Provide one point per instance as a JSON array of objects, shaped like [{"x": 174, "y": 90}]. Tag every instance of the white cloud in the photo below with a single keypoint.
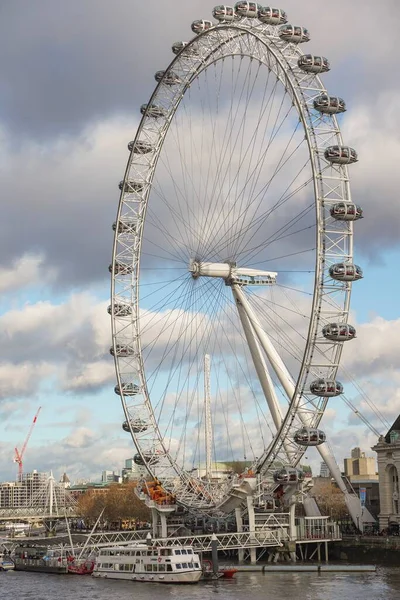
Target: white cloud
[
  {"x": 78, "y": 327},
  {"x": 68, "y": 341},
  {"x": 21, "y": 379},
  {"x": 90, "y": 376},
  {"x": 377, "y": 348},
  {"x": 80, "y": 438},
  {"x": 26, "y": 271}
]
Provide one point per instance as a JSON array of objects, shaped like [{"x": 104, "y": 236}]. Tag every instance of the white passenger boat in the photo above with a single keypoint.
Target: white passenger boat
[
  {"x": 6, "y": 564},
  {"x": 141, "y": 562}
]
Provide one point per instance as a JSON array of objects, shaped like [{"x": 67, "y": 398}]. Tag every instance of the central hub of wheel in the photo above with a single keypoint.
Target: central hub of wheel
[
  {"x": 231, "y": 273},
  {"x": 208, "y": 269}
]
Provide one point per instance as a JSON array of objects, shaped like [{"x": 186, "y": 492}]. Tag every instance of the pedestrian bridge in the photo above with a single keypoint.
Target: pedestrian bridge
[{"x": 35, "y": 513}]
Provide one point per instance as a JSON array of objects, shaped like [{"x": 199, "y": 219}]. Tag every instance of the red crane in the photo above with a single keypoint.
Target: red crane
[{"x": 20, "y": 454}]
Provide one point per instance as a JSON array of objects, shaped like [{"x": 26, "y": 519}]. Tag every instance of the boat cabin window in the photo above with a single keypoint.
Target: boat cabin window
[
  {"x": 178, "y": 566},
  {"x": 177, "y": 551},
  {"x": 161, "y": 567},
  {"x": 169, "y": 567},
  {"x": 184, "y": 565},
  {"x": 183, "y": 551},
  {"x": 189, "y": 551},
  {"x": 148, "y": 567}
]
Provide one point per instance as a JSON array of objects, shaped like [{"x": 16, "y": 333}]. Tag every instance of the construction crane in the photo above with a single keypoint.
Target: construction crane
[{"x": 20, "y": 454}]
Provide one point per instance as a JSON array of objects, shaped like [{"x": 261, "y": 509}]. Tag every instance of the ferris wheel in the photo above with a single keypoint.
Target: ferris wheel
[{"x": 233, "y": 258}]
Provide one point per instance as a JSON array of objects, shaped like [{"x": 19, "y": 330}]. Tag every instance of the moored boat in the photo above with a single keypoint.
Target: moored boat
[
  {"x": 81, "y": 568},
  {"x": 6, "y": 563},
  {"x": 40, "y": 559},
  {"x": 227, "y": 572},
  {"x": 142, "y": 562}
]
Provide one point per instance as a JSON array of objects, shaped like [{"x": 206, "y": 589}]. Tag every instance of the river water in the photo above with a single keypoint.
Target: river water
[{"x": 382, "y": 585}]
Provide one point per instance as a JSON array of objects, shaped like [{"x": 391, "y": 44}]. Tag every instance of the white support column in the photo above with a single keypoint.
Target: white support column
[
  {"x": 154, "y": 519},
  {"x": 207, "y": 415},
  {"x": 252, "y": 527},
  {"x": 239, "y": 528},
  {"x": 51, "y": 493},
  {"x": 292, "y": 519},
  {"x": 164, "y": 529}
]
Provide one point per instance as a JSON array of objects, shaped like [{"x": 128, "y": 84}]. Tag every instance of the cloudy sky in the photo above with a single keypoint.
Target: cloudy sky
[{"x": 72, "y": 78}]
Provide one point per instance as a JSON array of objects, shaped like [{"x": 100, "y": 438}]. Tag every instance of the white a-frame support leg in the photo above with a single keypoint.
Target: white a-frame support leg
[
  {"x": 262, "y": 372},
  {"x": 289, "y": 387},
  {"x": 269, "y": 349}
]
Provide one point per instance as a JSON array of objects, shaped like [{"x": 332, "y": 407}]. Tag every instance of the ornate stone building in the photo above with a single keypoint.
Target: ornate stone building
[{"x": 388, "y": 451}]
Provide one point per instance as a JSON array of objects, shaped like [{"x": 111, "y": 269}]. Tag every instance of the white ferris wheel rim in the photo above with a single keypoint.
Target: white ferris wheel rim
[{"x": 331, "y": 246}]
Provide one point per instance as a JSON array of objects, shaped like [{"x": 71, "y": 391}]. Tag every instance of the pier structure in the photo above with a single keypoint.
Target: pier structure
[
  {"x": 269, "y": 540},
  {"x": 248, "y": 521}
]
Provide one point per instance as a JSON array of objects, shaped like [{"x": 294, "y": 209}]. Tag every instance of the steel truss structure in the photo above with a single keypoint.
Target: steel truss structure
[{"x": 223, "y": 44}]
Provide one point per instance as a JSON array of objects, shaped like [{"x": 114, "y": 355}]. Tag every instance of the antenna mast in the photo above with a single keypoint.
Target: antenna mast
[{"x": 207, "y": 414}]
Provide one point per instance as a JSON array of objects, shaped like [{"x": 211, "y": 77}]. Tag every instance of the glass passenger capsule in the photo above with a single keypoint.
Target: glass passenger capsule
[
  {"x": 313, "y": 64},
  {"x": 167, "y": 77},
  {"x": 224, "y": 13},
  {"x": 339, "y": 332},
  {"x": 247, "y": 9},
  {"x": 148, "y": 457},
  {"x": 272, "y": 16},
  {"x": 121, "y": 269},
  {"x": 294, "y": 34},
  {"x": 138, "y": 460},
  {"x": 201, "y": 25},
  {"x": 191, "y": 49},
  {"x": 131, "y": 186},
  {"x": 122, "y": 350},
  {"x": 140, "y": 147},
  {"x": 120, "y": 310},
  {"x": 307, "y": 436},
  {"x": 137, "y": 425},
  {"x": 152, "y": 110},
  {"x": 346, "y": 211},
  {"x": 128, "y": 389},
  {"x": 288, "y": 475},
  {"x": 326, "y": 388},
  {"x": 330, "y": 105},
  {"x": 127, "y": 227},
  {"x": 178, "y": 47},
  {"x": 341, "y": 155},
  {"x": 345, "y": 272}
]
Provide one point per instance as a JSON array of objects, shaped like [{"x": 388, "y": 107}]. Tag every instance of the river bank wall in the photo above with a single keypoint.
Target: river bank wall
[{"x": 367, "y": 549}]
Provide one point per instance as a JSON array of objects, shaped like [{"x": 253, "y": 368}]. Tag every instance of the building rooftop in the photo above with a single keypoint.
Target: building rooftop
[{"x": 394, "y": 428}]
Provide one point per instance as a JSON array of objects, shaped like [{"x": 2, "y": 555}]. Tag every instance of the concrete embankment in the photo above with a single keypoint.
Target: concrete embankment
[
  {"x": 301, "y": 568},
  {"x": 367, "y": 549}
]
